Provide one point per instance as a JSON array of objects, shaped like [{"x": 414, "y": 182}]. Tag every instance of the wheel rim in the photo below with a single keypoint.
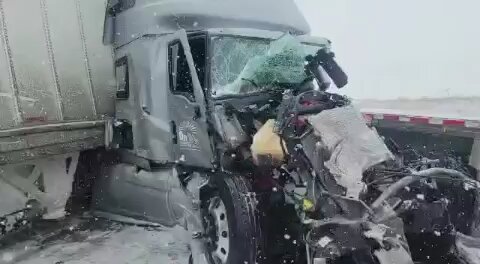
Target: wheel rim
[{"x": 219, "y": 231}]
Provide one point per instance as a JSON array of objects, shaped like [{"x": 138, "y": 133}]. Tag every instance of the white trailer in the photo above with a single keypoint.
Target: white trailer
[{"x": 56, "y": 93}]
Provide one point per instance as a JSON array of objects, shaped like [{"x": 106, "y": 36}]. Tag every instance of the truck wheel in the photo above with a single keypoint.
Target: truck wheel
[{"x": 231, "y": 221}]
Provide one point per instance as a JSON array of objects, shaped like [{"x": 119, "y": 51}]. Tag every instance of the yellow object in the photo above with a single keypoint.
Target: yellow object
[
  {"x": 266, "y": 146},
  {"x": 308, "y": 205}
]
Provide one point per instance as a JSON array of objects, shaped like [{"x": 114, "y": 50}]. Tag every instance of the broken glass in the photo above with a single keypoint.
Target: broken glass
[{"x": 247, "y": 65}]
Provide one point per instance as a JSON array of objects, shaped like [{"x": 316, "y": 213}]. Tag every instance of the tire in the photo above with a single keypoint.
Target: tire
[{"x": 231, "y": 194}]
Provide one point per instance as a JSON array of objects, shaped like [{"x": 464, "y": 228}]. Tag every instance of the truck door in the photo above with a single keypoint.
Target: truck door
[
  {"x": 187, "y": 106},
  {"x": 184, "y": 108}
]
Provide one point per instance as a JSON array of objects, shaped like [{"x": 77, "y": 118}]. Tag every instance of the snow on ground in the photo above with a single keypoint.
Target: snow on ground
[
  {"x": 461, "y": 108},
  {"x": 468, "y": 248},
  {"x": 116, "y": 244}
]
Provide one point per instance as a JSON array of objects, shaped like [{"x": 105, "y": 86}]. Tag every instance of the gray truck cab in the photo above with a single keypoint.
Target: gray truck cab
[
  {"x": 172, "y": 59},
  {"x": 164, "y": 67}
]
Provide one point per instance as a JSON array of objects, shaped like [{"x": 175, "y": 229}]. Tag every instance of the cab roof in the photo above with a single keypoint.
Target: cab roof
[{"x": 127, "y": 20}]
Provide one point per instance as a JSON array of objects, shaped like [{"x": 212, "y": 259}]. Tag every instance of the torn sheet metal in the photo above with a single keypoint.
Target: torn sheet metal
[{"x": 353, "y": 146}]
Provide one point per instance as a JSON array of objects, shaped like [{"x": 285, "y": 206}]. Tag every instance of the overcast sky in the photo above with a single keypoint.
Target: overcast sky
[{"x": 407, "y": 48}]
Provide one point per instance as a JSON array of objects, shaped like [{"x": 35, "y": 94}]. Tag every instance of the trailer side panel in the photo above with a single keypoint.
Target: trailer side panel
[{"x": 54, "y": 69}]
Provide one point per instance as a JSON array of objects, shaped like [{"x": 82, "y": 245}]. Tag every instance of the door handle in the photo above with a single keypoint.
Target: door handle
[
  {"x": 197, "y": 113},
  {"x": 173, "y": 127}
]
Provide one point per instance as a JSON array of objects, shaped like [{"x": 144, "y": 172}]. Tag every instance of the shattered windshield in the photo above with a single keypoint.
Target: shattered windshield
[{"x": 243, "y": 65}]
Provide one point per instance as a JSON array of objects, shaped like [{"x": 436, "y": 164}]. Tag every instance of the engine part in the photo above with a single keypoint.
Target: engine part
[{"x": 229, "y": 128}]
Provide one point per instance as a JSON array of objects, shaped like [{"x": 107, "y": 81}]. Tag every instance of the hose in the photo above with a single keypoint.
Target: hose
[
  {"x": 393, "y": 189},
  {"x": 405, "y": 181}
]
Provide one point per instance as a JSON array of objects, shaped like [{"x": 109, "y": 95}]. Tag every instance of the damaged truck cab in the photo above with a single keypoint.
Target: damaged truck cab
[
  {"x": 218, "y": 120},
  {"x": 171, "y": 57}
]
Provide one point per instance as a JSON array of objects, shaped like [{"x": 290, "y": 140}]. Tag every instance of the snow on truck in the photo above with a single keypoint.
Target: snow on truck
[{"x": 209, "y": 115}]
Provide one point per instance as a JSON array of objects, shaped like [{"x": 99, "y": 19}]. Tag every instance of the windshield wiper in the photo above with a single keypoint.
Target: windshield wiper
[{"x": 250, "y": 81}]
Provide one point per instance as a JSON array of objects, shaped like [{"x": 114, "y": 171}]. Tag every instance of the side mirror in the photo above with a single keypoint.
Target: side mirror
[
  {"x": 318, "y": 72},
  {"x": 327, "y": 62}
]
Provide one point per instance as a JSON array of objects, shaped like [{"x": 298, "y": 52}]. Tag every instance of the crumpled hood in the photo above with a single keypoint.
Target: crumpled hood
[{"x": 354, "y": 147}]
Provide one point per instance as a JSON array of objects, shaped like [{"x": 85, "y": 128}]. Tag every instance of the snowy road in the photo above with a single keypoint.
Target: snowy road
[
  {"x": 101, "y": 242},
  {"x": 105, "y": 242}
]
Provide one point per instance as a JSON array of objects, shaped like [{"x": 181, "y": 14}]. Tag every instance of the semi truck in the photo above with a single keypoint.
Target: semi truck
[
  {"x": 89, "y": 84},
  {"x": 125, "y": 107}
]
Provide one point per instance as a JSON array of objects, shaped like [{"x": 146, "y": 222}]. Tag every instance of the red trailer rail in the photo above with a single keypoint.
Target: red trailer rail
[
  {"x": 422, "y": 120},
  {"x": 451, "y": 115},
  {"x": 457, "y": 127}
]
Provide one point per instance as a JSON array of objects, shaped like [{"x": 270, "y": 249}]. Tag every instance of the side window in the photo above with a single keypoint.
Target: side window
[
  {"x": 121, "y": 75},
  {"x": 198, "y": 45},
  {"x": 180, "y": 78}
]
